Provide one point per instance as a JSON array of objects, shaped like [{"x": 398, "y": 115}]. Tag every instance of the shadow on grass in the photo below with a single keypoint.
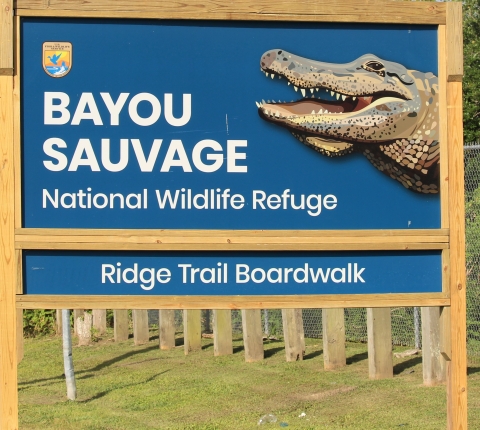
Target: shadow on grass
[
  {"x": 179, "y": 341},
  {"x": 313, "y": 354},
  {"x": 272, "y": 351},
  {"x": 472, "y": 370},
  {"x": 206, "y": 346},
  {"x": 100, "y": 366},
  {"x": 401, "y": 367},
  {"x": 104, "y": 393},
  {"x": 357, "y": 357},
  {"x": 237, "y": 349}
]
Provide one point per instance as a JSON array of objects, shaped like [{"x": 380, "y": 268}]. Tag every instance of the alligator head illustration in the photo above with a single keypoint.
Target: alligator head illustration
[{"x": 373, "y": 106}]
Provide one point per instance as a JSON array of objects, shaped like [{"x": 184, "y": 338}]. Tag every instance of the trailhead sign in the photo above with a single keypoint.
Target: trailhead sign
[
  {"x": 213, "y": 125},
  {"x": 219, "y": 155}
]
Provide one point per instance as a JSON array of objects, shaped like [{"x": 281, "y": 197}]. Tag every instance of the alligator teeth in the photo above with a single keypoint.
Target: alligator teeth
[
  {"x": 268, "y": 101},
  {"x": 279, "y": 77},
  {"x": 277, "y": 114},
  {"x": 313, "y": 112},
  {"x": 288, "y": 82},
  {"x": 273, "y": 101},
  {"x": 354, "y": 98},
  {"x": 338, "y": 96},
  {"x": 272, "y": 76},
  {"x": 326, "y": 111},
  {"x": 266, "y": 74},
  {"x": 303, "y": 91},
  {"x": 320, "y": 111},
  {"x": 263, "y": 102},
  {"x": 296, "y": 88},
  {"x": 316, "y": 89},
  {"x": 258, "y": 104},
  {"x": 311, "y": 90},
  {"x": 343, "y": 97},
  {"x": 332, "y": 93}
]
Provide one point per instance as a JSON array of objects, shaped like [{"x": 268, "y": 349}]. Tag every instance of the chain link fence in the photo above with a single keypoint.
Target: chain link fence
[{"x": 406, "y": 321}]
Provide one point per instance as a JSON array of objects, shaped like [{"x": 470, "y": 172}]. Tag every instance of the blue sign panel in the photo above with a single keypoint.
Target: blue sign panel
[
  {"x": 207, "y": 125},
  {"x": 233, "y": 273}
]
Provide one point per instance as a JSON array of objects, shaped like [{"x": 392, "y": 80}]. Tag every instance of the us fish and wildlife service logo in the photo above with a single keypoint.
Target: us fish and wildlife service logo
[{"x": 57, "y": 58}]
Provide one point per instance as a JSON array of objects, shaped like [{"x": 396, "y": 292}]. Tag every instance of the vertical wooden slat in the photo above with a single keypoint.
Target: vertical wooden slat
[
  {"x": 192, "y": 330},
  {"x": 58, "y": 322},
  {"x": 433, "y": 363},
  {"x": 457, "y": 368},
  {"x": 379, "y": 328},
  {"x": 120, "y": 325},
  {"x": 293, "y": 334},
  {"x": 140, "y": 326},
  {"x": 100, "y": 320},
  {"x": 166, "y": 329},
  {"x": 252, "y": 334},
  {"x": 334, "y": 354},
  {"x": 222, "y": 332},
  {"x": 8, "y": 270},
  {"x": 77, "y": 313}
]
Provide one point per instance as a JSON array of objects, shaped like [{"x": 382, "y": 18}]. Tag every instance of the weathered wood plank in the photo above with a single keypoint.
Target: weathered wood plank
[
  {"x": 379, "y": 328},
  {"x": 192, "y": 330},
  {"x": 120, "y": 325},
  {"x": 109, "y": 246},
  {"x": 334, "y": 353},
  {"x": 166, "y": 329},
  {"x": 374, "y": 11},
  {"x": 233, "y": 302},
  {"x": 293, "y": 334},
  {"x": 100, "y": 320},
  {"x": 154, "y": 235},
  {"x": 58, "y": 322},
  {"x": 140, "y": 326},
  {"x": 433, "y": 363},
  {"x": 77, "y": 313},
  {"x": 252, "y": 335},
  {"x": 222, "y": 332}
]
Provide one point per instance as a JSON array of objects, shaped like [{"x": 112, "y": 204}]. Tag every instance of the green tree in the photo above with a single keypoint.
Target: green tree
[{"x": 471, "y": 80}]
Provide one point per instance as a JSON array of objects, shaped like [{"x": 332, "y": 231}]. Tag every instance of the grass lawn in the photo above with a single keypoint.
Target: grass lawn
[{"x": 122, "y": 386}]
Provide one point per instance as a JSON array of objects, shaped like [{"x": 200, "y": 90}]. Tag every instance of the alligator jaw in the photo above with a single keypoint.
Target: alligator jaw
[{"x": 364, "y": 106}]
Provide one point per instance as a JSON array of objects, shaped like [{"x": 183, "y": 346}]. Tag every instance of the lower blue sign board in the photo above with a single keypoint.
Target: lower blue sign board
[{"x": 236, "y": 273}]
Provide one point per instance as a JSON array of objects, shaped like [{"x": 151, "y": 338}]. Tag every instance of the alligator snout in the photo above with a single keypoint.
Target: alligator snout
[{"x": 268, "y": 58}]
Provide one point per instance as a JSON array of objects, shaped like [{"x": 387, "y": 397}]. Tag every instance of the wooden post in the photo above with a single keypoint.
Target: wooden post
[
  {"x": 379, "y": 328},
  {"x": 58, "y": 322},
  {"x": 166, "y": 328},
  {"x": 333, "y": 322},
  {"x": 100, "y": 320},
  {"x": 222, "y": 332},
  {"x": 19, "y": 335},
  {"x": 192, "y": 330},
  {"x": 77, "y": 313},
  {"x": 252, "y": 334},
  {"x": 293, "y": 334},
  {"x": 120, "y": 325},
  {"x": 8, "y": 269},
  {"x": 434, "y": 366},
  {"x": 140, "y": 326},
  {"x": 457, "y": 368}
]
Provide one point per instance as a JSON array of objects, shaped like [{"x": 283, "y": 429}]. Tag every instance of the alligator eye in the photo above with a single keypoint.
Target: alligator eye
[{"x": 374, "y": 66}]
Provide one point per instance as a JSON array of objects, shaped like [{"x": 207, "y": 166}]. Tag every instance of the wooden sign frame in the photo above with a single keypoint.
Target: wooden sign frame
[{"x": 450, "y": 238}]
